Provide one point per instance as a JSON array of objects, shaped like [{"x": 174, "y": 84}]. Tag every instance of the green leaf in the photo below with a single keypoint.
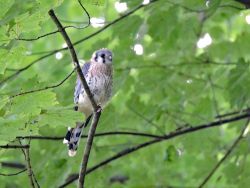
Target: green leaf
[
  {"x": 3, "y": 60},
  {"x": 5, "y": 6},
  {"x": 3, "y": 101},
  {"x": 32, "y": 104},
  {"x": 171, "y": 154},
  {"x": 12, "y": 127},
  {"x": 57, "y": 117}
]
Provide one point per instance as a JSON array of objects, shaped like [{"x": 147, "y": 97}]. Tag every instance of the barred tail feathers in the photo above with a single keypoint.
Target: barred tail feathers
[{"x": 73, "y": 137}]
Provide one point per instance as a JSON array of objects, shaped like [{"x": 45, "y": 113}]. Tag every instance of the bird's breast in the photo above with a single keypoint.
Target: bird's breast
[{"x": 99, "y": 80}]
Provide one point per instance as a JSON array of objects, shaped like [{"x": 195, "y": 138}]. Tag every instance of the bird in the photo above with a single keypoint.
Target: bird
[{"x": 98, "y": 73}]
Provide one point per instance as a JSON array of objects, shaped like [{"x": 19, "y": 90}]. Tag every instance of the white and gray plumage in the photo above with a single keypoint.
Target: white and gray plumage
[{"x": 98, "y": 74}]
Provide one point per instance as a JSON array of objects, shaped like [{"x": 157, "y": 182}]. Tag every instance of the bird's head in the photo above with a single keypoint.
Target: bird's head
[{"x": 102, "y": 56}]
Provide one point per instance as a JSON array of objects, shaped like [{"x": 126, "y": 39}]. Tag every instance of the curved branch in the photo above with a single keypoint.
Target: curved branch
[
  {"x": 29, "y": 169},
  {"x": 15, "y": 146},
  {"x": 13, "y": 174},
  {"x": 45, "y": 88},
  {"x": 13, "y": 165},
  {"x": 55, "y": 138}
]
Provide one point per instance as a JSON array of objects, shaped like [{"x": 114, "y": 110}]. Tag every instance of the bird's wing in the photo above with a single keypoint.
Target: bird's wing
[{"x": 79, "y": 88}]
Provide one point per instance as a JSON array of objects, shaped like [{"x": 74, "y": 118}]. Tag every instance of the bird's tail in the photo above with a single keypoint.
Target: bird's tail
[{"x": 73, "y": 136}]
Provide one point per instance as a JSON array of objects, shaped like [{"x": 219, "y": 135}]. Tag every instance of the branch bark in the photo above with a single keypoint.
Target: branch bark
[
  {"x": 87, "y": 149},
  {"x": 15, "y": 146},
  {"x": 13, "y": 174},
  {"x": 12, "y": 165},
  {"x": 55, "y": 138},
  {"x": 45, "y": 88},
  {"x": 29, "y": 169}
]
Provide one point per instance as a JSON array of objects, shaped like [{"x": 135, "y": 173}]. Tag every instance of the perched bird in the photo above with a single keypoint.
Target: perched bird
[{"x": 98, "y": 74}]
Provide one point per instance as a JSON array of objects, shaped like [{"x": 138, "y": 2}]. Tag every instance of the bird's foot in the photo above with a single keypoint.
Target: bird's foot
[{"x": 99, "y": 108}]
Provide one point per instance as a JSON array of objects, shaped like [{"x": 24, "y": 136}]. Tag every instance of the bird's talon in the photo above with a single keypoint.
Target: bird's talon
[{"x": 99, "y": 108}]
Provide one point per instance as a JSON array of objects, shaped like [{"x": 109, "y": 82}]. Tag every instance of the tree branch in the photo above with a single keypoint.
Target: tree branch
[
  {"x": 55, "y": 138},
  {"x": 229, "y": 151},
  {"x": 45, "y": 88},
  {"x": 74, "y": 58},
  {"x": 15, "y": 146},
  {"x": 13, "y": 174},
  {"x": 29, "y": 169},
  {"x": 87, "y": 149},
  {"x": 12, "y": 165},
  {"x": 157, "y": 140}
]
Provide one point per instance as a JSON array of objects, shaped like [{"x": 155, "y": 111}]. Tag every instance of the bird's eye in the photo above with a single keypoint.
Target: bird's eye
[
  {"x": 103, "y": 55},
  {"x": 110, "y": 57}
]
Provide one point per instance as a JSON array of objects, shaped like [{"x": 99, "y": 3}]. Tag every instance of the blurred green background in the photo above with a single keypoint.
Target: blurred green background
[{"x": 177, "y": 63}]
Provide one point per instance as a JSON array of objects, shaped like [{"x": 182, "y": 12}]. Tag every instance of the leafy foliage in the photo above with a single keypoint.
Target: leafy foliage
[{"x": 172, "y": 84}]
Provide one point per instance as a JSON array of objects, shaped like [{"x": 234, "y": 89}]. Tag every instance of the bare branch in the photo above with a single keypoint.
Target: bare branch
[
  {"x": 14, "y": 146},
  {"x": 87, "y": 149},
  {"x": 13, "y": 165},
  {"x": 45, "y": 88},
  {"x": 157, "y": 140},
  {"x": 146, "y": 119},
  {"x": 232, "y": 113},
  {"x": 13, "y": 174},
  {"x": 229, "y": 151},
  {"x": 29, "y": 169},
  {"x": 230, "y": 6},
  {"x": 37, "y": 38},
  {"x": 26, "y": 67},
  {"x": 55, "y": 138},
  {"x": 30, "y": 172}
]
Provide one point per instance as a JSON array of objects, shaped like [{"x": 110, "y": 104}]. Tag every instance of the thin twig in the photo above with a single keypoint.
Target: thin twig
[
  {"x": 146, "y": 119},
  {"x": 233, "y": 113},
  {"x": 37, "y": 184},
  {"x": 231, "y": 6},
  {"x": 29, "y": 169},
  {"x": 12, "y": 165},
  {"x": 14, "y": 146},
  {"x": 157, "y": 140},
  {"x": 27, "y": 67},
  {"x": 45, "y": 88},
  {"x": 229, "y": 151},
  {"x": 84, "y": 164},
  {"x": 13, "y": 174},
  {"x": 55, "y": 138}
]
